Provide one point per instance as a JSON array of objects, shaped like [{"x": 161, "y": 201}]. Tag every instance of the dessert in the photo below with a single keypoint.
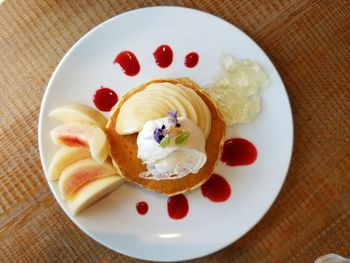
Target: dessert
[
  {"x": 82, "y": 167},
  {"x": 92, "y": 192},
  {"x": 171, "y": 148},
  {"x": 65, "y": 157},
  {"x": 78, "y": 113},
  {"x": 166, "y": 135},
  {"x": 156, "y": 101},
  {"x": 235, "y": 89},
  {"x": 145, "y": 109},
  {"x": 80, "y": 134},
  {"x": 82, "y": 172}
]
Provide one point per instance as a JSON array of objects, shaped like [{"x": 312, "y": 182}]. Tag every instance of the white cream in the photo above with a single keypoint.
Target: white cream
[{"x": 173, "y": 161}]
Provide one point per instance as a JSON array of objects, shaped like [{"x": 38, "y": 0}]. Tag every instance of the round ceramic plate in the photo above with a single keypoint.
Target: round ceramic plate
[{"x": 208, "y": 226}]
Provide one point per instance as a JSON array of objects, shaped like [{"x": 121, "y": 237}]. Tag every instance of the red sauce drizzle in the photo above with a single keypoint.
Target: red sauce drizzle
[
  {"x": 238, "y": 151},
  {"x": 72, "y": 142},
  {"x": 177, "y": 206},
  {"x": 142, "y": 207},
  {"x": 128, "y": 63},
  {"x": 163, "y": 56},
  {"x": 216, "y": 189},
  {"x": 105, "y": 98},
  {"x": 191, "y": 59}
]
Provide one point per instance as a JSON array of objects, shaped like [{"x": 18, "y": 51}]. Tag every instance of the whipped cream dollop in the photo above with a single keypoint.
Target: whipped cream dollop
[{"x": 180, "y": 155}]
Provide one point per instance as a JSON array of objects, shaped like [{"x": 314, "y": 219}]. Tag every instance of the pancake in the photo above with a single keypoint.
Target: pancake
[{"x": 123, "y": 148}]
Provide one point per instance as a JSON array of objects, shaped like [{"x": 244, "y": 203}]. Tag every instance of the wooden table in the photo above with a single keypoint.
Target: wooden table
[{"x": 308, "y": 41}]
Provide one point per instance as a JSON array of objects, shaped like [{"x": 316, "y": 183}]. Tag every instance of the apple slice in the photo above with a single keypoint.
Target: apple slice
[
  {"x": 201, "y": 108},
  {"x": 81, "y": 172},
  {"x": 64, "y": 158},
  {"x": 92, "y": 192},
  {"x": 144, "y": 106},
  {"x": 197, "y": 110},
  {"x": 175, "y": 96},
  {"x": 78, "y": 112},
  {"x": 79, "y": 134}
]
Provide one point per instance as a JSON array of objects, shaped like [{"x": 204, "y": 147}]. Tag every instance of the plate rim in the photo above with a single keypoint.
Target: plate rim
[{"x": 53, "y": 77}]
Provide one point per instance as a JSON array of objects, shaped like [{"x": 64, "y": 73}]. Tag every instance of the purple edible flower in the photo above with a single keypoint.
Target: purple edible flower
[
  {"x": 158, "y": 135},
  {"x": 173, "y": 120},
  {"x": 163, "y": 132},
  {"x": 173, "y": 114}
]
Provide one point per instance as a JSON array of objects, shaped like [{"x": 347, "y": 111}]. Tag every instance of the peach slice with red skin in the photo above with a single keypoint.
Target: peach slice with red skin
[
  {"x": 78, "y": 112},
  {"x": 63, "y": 158},
  {"x": 79, "y": 134},
  {"x": 82, "y": 172},
  {"x": 92, "y": 192}
]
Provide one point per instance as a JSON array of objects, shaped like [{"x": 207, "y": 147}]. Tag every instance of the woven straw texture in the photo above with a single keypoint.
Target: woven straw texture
[{"x": 308, "y": 41}]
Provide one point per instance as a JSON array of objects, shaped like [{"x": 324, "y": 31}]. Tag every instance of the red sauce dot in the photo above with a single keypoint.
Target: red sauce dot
[
  {"x": 191, "y": 59},
  {"x": 105, "y": 98},
  {"x": 163, "y": 56},
  {"x": 142, "y": 208},
  {"x": 177, "y": 206},
  {"x": 128, "y": 63},
  {"x": 216, "y": 189},
  {"x": 238, "y": 151}
]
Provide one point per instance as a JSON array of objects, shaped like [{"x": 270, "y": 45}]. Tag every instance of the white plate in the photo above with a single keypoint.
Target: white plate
[{"x": 208, "y": 226}]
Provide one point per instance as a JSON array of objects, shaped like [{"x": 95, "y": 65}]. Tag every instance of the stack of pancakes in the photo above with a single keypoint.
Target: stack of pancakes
[{"x": 123, "y": 148}]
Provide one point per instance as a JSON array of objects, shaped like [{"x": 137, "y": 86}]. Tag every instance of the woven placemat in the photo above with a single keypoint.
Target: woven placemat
[{"x": 309, "y": 42}]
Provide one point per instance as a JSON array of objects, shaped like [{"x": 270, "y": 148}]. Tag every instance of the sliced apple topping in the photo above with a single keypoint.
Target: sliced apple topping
[
  {"x": 78, "y": 112},
  {"x": 180, "y": 99},
  {"x": 192, "y": 101},
  {"x": 156, "y": 101},
  {"x": 64, "y": 158},
  {"x": 79, "y": 134},
  {"x": 92, "y": 192},
  {"x": 81, "y": 172}
]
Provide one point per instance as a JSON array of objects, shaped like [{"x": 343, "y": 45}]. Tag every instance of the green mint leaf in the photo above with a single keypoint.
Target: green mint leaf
[
  {"x": 182, "y": 138},
  {"x": 164, "y": 142}
]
